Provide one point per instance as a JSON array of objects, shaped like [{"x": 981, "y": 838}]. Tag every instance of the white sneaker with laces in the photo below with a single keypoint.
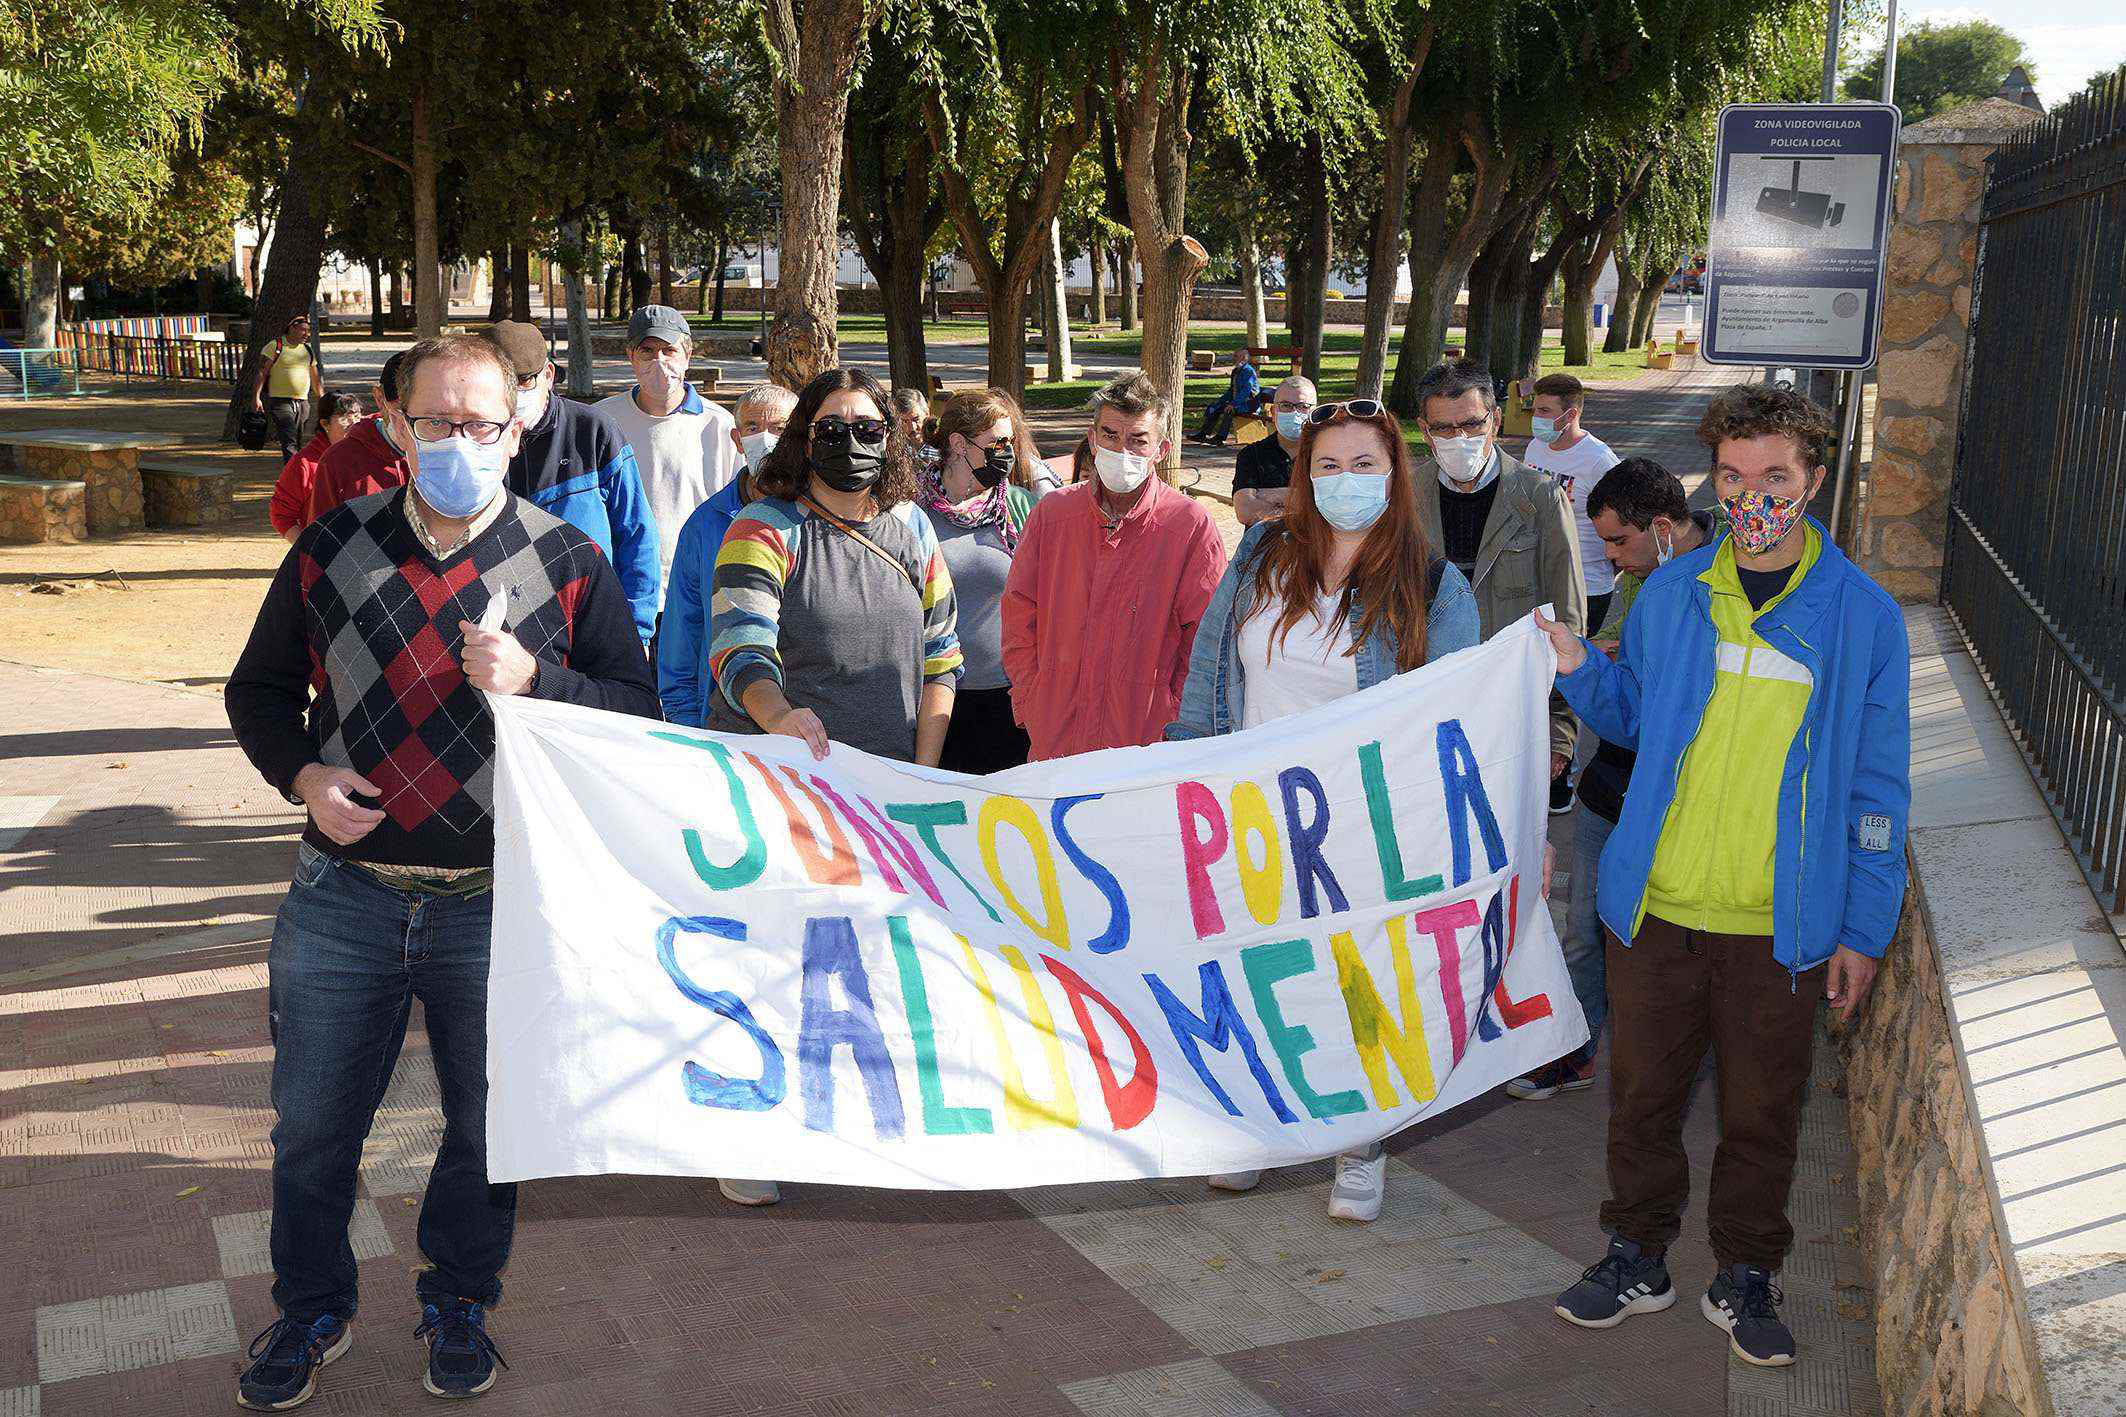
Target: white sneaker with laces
[
  {"x": 750, "y": 1192},
  {"x": 1361, "y": 1181},
  {"x": 1234, "y": 1180}
]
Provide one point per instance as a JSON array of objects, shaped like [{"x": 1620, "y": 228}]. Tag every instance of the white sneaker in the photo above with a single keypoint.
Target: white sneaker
[
  {"x": 750, "y": 1192},
  {"x": 1234, "y": 1180},
  {"x": 1361, "y": 1180}
]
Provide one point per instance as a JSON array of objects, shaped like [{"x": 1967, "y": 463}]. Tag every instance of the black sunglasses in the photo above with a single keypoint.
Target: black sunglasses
[
  {"x": 864, "y": 430},
  {"x": 1357, "y": 408}
]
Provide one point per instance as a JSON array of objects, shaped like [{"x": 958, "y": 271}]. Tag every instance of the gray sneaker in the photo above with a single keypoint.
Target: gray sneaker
[
  {"x": 1361, "y": 1181},
  {"x": 750, "y": 1192},
  {"x": 1233, "y": 1180}
]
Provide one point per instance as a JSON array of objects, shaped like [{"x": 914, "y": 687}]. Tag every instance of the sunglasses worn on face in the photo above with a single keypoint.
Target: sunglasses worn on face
[
  {"x": 864, "y": 430},
  {"x": 1357, "y": 408}
]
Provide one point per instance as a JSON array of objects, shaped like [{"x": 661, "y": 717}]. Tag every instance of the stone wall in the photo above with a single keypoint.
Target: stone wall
[
  {"x": 34, "y": 511},
  {"x": 1951, "y": 1335}
]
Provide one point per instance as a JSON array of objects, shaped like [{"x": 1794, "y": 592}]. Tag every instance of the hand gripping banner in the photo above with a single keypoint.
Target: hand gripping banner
[{"x": 715, "y": 956}]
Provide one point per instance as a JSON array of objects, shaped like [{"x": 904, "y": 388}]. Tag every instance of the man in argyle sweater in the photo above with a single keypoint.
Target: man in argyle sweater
[{"x": 359, "y": 697}]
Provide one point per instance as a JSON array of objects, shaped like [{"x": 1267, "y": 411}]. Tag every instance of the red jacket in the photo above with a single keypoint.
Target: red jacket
[
  {"x": 291, "y": 495},
  {"x": 1098, "y": 625},
  {"x": 357, "y": 465}
]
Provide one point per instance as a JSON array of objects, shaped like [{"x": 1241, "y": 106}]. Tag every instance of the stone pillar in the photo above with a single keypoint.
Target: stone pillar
[{"x": 1926, "y": 317}]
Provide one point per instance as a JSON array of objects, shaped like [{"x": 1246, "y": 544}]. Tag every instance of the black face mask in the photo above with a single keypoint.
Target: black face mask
[
  {"x": 847, "y": 465},
  {"x": 996, "y": 465}
]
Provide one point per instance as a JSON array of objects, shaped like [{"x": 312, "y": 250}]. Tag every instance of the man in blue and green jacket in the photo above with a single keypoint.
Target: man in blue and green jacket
[{"x": 1764, "y": 683}]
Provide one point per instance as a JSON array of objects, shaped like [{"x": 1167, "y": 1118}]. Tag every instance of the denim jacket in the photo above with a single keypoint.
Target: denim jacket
[{"x": 1213, "y": 699}]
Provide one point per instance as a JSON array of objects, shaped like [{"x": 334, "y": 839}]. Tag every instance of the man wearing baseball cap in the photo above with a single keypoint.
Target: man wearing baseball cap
[
  {"x": 575, "y": 463},
  {"x": 684, "y": 449}
]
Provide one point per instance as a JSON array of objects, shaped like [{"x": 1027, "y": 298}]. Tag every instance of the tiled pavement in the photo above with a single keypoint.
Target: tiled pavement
[{"x": 139, "y": 861}]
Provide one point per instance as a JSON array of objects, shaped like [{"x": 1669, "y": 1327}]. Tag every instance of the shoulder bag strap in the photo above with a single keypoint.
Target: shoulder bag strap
[{"x": 864, "y": 541}]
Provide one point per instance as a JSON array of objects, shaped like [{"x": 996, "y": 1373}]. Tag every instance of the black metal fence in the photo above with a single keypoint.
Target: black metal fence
[
  {"x": 161, "y": 359},
  {"x": 2036, "y": 553}
]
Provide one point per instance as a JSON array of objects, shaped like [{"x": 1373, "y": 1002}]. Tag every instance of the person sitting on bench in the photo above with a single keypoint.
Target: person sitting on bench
[{"x": 1242, "y": 395}]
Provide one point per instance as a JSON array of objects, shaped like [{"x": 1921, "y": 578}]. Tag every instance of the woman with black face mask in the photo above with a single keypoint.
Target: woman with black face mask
[
  {"x": 833, "y": 614},
  {"x": 978, "y": 486}
]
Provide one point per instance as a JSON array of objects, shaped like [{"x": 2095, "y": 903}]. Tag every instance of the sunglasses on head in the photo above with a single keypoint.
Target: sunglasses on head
[
  {"x": 864, "y": 430},
  {"x": 1356, "y": 408}
]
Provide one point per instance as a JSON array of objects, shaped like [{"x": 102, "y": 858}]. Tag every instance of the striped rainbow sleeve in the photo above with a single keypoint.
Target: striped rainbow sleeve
[
  {"x": 941, "y": 617},
  {"x": 745, "y": 606}
]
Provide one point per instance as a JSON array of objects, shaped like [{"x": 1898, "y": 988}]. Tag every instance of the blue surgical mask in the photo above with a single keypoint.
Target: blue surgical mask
[
  {"x": 1291, "y": 425},
  {"x": 1351, "y": 501},
  {"x": 456, "y": 476},
  {"x": 1546, "y": 429}
]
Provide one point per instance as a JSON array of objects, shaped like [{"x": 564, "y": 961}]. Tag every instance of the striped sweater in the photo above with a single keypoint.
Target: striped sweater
[{"x": 844, "y": 632}]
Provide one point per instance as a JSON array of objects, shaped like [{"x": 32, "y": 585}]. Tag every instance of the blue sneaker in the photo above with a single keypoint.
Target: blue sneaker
[
  {"x": 285, "y": 1359},
  {"x": 1622, "y": 1283},
  {"x": 461, "y": 1357},
  {"x": 1744, "y": 1301}
]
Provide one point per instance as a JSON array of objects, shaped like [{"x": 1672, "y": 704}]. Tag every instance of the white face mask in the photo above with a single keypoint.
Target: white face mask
[
  {"x": 757, "y": 447},
  {"x": 1663, "y": 553},
  {"x": 1459, "y": 460},
  {"x": 1120, "y": 473},
  {"x": 531, "y": 402}
]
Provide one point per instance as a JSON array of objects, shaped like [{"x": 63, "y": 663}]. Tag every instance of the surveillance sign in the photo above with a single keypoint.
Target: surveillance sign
[{"x": 1801, "y": 216}]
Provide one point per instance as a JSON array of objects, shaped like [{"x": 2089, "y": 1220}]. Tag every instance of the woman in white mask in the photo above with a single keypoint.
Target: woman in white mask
[{"x": 1335, "y": 596}]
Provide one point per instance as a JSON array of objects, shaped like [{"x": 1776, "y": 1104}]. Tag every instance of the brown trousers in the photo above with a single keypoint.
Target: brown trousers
[{"x": 1671, "y": 993}]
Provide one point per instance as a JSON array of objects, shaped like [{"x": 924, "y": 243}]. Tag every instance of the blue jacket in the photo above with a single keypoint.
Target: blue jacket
[
  {"x": 1245, "y": 389},
  {"x": 1213, "y": 699},
  {"x": 576, "y": 464},
  {"x": 1838, "y": 869},
  {"x": 683, "y": 678}
]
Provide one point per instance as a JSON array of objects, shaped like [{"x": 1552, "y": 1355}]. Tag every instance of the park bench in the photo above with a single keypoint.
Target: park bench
[
  {"x": 37, "y": 510},
  {"x": 185, "y": 494},
  {"x": 1201, "y": 359},
  {"x": 1258, "y": 355}
]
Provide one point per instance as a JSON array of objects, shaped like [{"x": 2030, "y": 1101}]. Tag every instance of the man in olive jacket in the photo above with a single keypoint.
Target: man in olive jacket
[{"x": 1508, "y": 527}]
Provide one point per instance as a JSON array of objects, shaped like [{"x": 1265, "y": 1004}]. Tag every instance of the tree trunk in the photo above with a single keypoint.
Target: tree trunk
[
  {"x": 376, "y": 298},
  {"x": 609, "y": 293},
  {"x": 635, "y": 276},
  {"x": 1152, "y": 129},
  {"x": 1319, "y": 249},
  {"x": 399, "y": 318},
  {"x": 1653, "y": 282},
  {"x": 40, "y": 304},
  {"x": 1057, "y": 305},
  {"x": 1627, "y": 309},
  {"x": 520, "y": 283},
  {"x": 430, "y": 307},
  {"x": 1517, "y": 318},
  {"x": 290, "y": 282},
  {"x": 1007, "y": 338},
  {"x": 1297, "y": 279},
  {"x": 1484, "y": 284},
  {"x": 581, "y": 382},
  {"x": 1126, "y": 282},
  {"x": 1251, "y": 303},
  {"x": 812, "y": 110},
  {"x": 664, "y": 261},
  {"x": 1096, "y": 269},
  {"x": 1384, "y": 260},
  {"x": 499, "y": 266}
]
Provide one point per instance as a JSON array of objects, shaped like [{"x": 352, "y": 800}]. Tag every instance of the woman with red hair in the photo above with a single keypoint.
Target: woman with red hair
[{"x": 1338, "y": 594}]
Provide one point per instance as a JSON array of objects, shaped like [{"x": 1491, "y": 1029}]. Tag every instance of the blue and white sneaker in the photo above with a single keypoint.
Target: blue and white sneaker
[
  {"x": 1744, "y": 1301},
  {"x": 1624, "y": 1282},
  {"x": 461, "y": 1357},
  {"x": 285, "y": 1359}
]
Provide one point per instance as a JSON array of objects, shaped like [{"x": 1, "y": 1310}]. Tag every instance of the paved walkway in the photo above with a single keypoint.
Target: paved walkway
[{"x": 140, "y": 860}]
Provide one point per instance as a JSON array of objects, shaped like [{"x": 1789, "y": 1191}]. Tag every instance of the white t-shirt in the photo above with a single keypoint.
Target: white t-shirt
[
  {"x": 1304, "y": 670},
  {"x": 683, "y": 458},
  {"x": 1578, "y": 469}
]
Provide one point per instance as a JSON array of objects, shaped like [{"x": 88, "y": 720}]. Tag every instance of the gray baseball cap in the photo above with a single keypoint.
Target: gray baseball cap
[{"x": 658, "y": 321}]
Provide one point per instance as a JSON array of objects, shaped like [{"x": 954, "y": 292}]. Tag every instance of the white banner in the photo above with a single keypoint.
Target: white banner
[{"x": 716, "y": 957}]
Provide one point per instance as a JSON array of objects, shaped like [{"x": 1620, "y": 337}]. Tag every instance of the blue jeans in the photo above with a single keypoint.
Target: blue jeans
[
  {"x": 350, "y": 955},
  {"x": 1585, "y": 939}
]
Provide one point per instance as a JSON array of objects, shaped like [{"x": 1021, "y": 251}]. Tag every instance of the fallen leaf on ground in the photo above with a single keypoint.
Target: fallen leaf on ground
[{"x": 188, "y": 1191}]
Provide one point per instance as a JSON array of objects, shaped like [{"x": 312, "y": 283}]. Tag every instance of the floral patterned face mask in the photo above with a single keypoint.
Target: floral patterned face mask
[{"x": 1760, "y": 519}]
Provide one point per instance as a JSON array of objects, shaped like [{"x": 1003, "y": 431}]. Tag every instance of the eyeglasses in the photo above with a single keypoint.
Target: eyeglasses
[
  {"x": 1356, "y": 408},
  {"x": 430, "y": 429},
  {"x": 864, "y": 430},
  {"x": 1467, "y": 428}
]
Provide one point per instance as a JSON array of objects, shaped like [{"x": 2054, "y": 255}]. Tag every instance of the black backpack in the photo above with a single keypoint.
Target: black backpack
[{"x": 251, "y": 430}]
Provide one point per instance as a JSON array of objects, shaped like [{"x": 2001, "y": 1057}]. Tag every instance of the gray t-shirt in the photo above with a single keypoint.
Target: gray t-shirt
[{"x": 979, "y": 563}]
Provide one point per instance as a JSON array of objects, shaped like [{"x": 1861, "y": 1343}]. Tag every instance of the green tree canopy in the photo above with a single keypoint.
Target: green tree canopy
[{"x": 1940, "y": 66}]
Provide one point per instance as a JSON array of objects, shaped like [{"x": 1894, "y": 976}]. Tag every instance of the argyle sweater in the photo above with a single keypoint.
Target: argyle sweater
[{"x": 355, "y": 661}]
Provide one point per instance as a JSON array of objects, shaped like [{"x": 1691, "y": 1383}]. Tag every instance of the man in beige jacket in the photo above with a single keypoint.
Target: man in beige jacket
[{"x": 1507, "y": 527}]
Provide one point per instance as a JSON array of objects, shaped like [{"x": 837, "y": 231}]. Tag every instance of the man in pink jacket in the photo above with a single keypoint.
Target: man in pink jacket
[{"x": 1110, "y": 579}]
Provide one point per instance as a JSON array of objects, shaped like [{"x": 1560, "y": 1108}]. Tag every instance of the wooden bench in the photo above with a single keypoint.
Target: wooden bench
[
  {"x": 1203, "y": 359},
  {"x": 1258, "y": 355},
  {"x": 34, "y": 511},
  {"x": 1038, "y": 373},
  {"x": 186, "y": 494},
  {"x": 707, "y": 379}
]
